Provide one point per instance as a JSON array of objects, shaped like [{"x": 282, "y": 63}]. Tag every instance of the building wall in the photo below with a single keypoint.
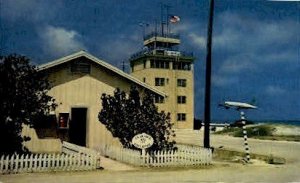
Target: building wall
[
  {"x": 36, "y": 145},
  {"x": 83, "y": 90},
  {"x": 171, "y": 89},
  {"x": 76, "y": 90}
]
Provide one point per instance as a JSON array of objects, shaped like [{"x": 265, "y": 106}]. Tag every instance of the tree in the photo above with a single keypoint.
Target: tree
[
  {"x": 126, "y": 117},
  {"x": 24, "y": 100}
]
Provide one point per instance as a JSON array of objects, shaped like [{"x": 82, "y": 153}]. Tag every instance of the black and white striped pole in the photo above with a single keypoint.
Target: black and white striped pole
[
  {"x": 247, "y": 149},
  {"x": 241, "y": 106}
]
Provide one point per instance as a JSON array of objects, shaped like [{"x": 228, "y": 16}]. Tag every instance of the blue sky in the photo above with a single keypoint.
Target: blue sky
[{"x": 256, "y": 44}]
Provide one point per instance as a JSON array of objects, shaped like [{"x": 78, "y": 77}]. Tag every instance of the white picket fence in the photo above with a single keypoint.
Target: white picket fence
[
  {"x": 185, "y": 155},
  {"x": 45, "y": 162},
  {"x": 73, "y": 158}
]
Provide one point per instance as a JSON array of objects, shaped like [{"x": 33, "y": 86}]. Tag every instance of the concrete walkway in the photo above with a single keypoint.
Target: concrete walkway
[{"x": 109, "y": 164}]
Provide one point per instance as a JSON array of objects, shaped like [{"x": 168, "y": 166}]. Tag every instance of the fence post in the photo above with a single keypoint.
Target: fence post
[
  {"x": 16, "y": 167},
  {"x": 21, "y": 162},
  {"x": 44, "y": 161},
  {"x": 2, "y": 164}
]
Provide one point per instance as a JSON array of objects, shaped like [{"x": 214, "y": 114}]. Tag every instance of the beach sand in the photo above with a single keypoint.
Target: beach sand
[{"x": 286, "y": 130}]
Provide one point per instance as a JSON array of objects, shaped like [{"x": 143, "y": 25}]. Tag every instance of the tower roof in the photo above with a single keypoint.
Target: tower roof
[{"x": 171, "y": 39}]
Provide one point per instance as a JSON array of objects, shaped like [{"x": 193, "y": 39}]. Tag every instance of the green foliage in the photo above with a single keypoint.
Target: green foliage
[
  {"x": 262, "y": 130},
  {"x": 126, "y": 117},
  {"x": 23, "y": 100},
  {"x": 227, "y": 130}
]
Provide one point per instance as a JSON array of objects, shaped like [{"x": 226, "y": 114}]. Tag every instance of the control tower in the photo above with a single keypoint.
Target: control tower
[{"x": 161, "y": 64}]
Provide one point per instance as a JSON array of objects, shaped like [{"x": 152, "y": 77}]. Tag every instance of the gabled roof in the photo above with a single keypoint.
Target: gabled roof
[{"x": 101, "y": 63}]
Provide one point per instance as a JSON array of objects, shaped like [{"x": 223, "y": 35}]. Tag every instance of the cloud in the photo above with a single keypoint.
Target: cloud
[
  {"x": 220, "y": 81},
  {"x": 274, "y": 90},
  {"x": 58, "y": 41},
  {"x": 28, "y": 10},
  {"x": 234, "y": 32},
  {"x": 238, "y": 63},
  {"x": 119, "y": 48},
  {"x": 199, "y": 41},
  {"x": 244, "y": 43},
  {"x": 13, "y": 9}
]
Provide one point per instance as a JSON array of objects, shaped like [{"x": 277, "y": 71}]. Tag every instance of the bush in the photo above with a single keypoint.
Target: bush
[
  {"x": 23, "y": 92},
  {"x": 126, "y": 116},
  {"x": 263, "y": 130}
]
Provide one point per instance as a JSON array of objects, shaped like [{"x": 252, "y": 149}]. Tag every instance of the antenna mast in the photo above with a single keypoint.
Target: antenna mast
[{"x": 162, "y": 18}]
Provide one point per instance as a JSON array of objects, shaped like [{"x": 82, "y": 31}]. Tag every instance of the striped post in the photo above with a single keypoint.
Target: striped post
[{"x": 245, "y": 137}]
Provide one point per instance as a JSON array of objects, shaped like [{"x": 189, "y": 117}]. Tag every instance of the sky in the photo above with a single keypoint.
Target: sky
[{"x": 255, "y": 49}]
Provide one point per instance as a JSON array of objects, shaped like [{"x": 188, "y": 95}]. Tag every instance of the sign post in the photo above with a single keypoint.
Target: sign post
[{"x": 142, "y": 141}]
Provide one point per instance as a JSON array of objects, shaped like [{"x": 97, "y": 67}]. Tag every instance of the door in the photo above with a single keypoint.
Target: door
[{"x": 77, "y": 128}]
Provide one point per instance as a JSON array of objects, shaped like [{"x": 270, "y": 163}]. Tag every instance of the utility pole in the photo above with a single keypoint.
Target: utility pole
[{"x": 208, "y": 76}]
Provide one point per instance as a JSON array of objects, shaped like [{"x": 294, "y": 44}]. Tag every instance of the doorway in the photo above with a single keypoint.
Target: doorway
[{"x": 77, "y": 127}]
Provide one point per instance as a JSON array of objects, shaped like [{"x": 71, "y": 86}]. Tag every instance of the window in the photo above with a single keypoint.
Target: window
[
  {"x": 144, "y": 79},
  {"x": 152, "y": 64},
  {"x": 182, "y": 66},
  {"x": 159, "y": 99},
  {"x": 181, "y": 82},
  {"x": 145, "y": 64},
  {"x": 181, "y": 99},
  {"x": 159, "y": 64},
  {"x": 80, "y": 67},
  {"x": 159, "y": 81},
  {"x": 181, "y": 116}
]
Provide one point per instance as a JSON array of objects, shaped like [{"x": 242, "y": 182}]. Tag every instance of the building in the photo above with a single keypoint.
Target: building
[
  {"x": 161, "y": 65},
  {"x": 79, "y": 80},
  {"x": 77, "y": 83}
]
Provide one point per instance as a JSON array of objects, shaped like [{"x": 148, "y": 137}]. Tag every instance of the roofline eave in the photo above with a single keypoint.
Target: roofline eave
[{"x": 102, "y": 63}]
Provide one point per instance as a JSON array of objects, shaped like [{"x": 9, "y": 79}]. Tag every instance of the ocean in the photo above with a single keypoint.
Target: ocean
[{"x": 284, "y": 122}]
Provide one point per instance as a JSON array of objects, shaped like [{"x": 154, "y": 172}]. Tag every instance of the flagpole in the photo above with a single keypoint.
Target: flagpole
[{"x": 208, "y": 77}]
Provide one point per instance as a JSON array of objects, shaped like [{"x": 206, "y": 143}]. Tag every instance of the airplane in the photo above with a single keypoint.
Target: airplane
[{"x": 237, "y": 105}]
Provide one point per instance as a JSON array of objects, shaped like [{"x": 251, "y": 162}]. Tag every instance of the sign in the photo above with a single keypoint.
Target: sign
[{"x": 142, "y": 141}]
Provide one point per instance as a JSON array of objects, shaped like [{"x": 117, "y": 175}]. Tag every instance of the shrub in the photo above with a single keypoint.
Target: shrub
[{"x": 262, "y": 130}]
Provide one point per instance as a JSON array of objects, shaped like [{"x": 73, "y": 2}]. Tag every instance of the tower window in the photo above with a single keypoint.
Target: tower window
[
  {"x": 159, "y": 99},
  {"x": 159, "y": 81},
  {"x": 181, "y": 99},
  {"x": 181, "y": 116},
  {"x": 159, "y": 64},
  {"x": 181, "y": 82},
  {"x": 182, "y": 66},
  {"x": 144, "y": 79}
]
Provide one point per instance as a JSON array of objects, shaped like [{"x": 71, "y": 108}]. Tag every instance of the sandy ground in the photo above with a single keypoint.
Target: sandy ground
[
  {"x": 286, "y": 130},
  {"x": 218, "y": 172}
]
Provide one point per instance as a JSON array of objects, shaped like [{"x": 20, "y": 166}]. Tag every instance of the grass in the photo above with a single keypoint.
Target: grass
[
  {"x": 264, "y": 132},
  {"x": 256, "y": 131},
  {"x": 295, "y": 138},
  {"x": 235, "y": 156}
]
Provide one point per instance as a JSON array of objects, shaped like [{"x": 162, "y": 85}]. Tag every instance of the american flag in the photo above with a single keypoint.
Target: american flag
[{"x": 174, "y": 19}]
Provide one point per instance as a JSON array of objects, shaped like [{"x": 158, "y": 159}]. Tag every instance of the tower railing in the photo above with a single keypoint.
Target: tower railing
[
  {"x": 157, "y": 34},
  {"x": 166, "y": 52}
]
